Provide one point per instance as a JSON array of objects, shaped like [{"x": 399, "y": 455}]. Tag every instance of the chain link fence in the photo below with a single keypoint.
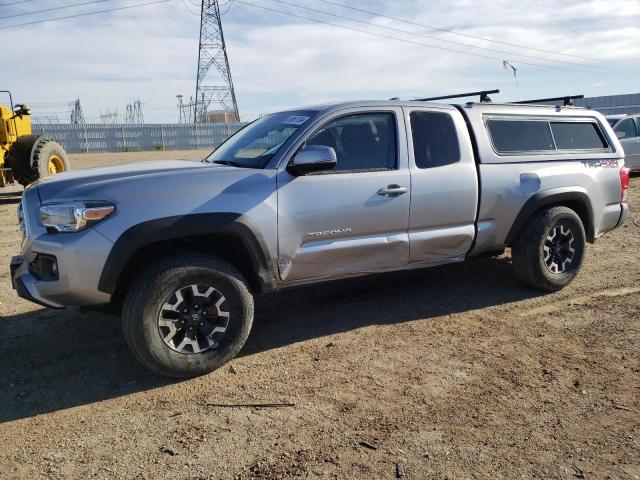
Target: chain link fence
[{"x": 87, "y": 138}]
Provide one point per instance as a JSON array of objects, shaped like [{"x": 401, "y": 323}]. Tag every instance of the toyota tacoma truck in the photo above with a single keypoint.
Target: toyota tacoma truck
[{"x": 316, "y": 194}]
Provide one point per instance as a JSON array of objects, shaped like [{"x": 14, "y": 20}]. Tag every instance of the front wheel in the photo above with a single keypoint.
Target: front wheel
[
  {"x": 548, "y": 252},
  {"x": 187, "y": 315}
]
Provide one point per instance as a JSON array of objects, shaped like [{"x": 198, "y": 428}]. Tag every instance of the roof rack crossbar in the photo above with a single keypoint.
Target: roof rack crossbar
[
  {"x": 484, "y": 96},
  {"x": 567, "y": 100}
]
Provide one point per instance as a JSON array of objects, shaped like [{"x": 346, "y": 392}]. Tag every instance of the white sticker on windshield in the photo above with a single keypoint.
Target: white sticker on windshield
[{"x": 295, "y": 120}]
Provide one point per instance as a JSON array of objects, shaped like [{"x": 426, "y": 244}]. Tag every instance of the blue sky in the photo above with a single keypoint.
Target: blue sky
[{"x": 279, "y": 61}]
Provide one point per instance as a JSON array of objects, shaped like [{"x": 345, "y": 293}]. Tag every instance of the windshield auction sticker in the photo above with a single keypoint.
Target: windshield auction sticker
[{"x": 296, "y": 120}]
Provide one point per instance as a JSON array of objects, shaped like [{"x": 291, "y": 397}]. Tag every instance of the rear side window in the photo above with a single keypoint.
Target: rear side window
[
  {"x": 435, "y": 140},
  {"x": 626, "y": 129},
  {"x": 577, "y": 136},
  {"x": 520, "y": 135}
]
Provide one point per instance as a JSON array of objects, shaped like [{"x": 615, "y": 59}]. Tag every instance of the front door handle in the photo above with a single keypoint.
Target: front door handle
[{"x": 392, "y": 190}]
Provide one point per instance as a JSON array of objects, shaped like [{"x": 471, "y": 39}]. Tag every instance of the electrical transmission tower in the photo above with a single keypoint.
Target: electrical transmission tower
[
  {"x": 213, "y": 53},
  {"x": 133, "y": 113},
  {"x": 76, "y": 112},
  {"x": 109, "y": 118},
  {"x": 185, "y": 110}
]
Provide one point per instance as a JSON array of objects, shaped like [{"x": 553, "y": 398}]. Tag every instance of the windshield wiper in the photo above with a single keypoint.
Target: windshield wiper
[{"x": 228, "y": 162}]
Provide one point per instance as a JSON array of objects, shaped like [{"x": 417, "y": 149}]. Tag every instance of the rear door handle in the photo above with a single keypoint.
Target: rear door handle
[{"x": 392, "y": 190}]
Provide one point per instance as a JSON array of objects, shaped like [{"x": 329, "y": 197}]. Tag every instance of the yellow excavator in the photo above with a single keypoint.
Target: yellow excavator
[{"x": 25, "y": 157}]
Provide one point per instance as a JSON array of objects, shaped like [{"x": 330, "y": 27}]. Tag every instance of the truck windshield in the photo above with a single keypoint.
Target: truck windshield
[{"x": 254, "y": 145}]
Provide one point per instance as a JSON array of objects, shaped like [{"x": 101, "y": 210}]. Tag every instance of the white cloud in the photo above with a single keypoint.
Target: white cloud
[{"x": 278, "y": 61}]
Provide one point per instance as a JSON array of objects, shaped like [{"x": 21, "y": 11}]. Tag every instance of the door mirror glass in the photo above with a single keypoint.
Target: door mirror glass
[
  {"x": 313, "y": 158},
  {"x": 621, "y": 134}
]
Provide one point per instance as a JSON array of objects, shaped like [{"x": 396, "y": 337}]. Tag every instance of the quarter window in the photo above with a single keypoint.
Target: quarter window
[
  {"x": 435, "y": 140},
  {"x": 627, "y": 127},
  {"x": 364, "y": 141}
]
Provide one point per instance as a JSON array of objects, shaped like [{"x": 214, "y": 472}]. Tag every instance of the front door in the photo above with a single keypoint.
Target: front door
[
  {"x": 352, "y": 219},
  {"x": 629, "y": 134}
]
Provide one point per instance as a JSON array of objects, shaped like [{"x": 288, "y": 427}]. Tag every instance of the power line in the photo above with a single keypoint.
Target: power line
[
  {"x": 15, "y": 3},
  {"x": 229, "y": 4},
  {"x": 53, "y": 8},
  {"x": 457, "y": 33},
  {"x": 84, "y": 14},
  {"x": 425, "y": 35},
  {"x": 186, "y": 5},
  {"x": 344, "y": 27}
]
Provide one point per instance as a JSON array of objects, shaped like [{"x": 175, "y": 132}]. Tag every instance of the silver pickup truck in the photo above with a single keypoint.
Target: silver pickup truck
[{"x": 315, "y": 194}]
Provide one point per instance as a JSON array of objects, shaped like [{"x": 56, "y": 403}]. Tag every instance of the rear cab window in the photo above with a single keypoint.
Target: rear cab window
[{"x": 525, "y": 136}]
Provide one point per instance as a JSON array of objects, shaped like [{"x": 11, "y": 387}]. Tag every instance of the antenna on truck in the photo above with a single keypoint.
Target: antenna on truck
[
  {"x": 567, "y": 101},
  {"x": 484, "y": 96}
]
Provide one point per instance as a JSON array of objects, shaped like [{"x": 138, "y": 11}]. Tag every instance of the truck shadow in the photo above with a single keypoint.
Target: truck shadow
[
  {"x": 55, "y": 360},
  {"x": 7, "y": 198}
]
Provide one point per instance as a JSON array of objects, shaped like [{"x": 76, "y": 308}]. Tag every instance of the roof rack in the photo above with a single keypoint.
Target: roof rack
[
  {"x": 484, "y": 96},
  {"x": 568, "y": 100}
]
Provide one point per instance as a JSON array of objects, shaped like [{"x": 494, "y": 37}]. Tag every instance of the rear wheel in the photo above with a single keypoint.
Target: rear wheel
[
  {"x": 549, "y": 251},
  {"x": 187, "y": 315}
]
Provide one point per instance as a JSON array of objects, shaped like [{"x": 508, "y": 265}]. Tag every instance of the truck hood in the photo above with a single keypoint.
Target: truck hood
[
  {"x": 148, "y": 191},
  {"x": 150, "y": 178}
]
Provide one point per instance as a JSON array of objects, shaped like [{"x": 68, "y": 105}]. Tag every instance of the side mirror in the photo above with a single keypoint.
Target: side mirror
[
  {"x": 621, "y": 134},
  {"x": 313, "y": 158}
]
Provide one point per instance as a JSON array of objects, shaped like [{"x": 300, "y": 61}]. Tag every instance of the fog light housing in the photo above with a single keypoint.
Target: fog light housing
[{"x": 44, "y": 267}]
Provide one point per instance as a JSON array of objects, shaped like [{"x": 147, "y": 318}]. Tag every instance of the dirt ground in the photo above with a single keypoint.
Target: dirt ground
[{"x": 456, "y": 372}]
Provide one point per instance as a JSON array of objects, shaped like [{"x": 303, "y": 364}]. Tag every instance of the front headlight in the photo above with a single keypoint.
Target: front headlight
[{"x": 74, "y": 216}]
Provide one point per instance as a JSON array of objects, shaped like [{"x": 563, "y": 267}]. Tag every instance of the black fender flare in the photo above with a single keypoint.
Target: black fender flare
[
  {"x": 192, "y": 225},
  {"x": 568, "y": 196}
]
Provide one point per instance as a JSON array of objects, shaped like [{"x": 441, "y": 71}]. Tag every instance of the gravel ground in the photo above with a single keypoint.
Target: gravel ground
[{"x": 453, "y": 372}]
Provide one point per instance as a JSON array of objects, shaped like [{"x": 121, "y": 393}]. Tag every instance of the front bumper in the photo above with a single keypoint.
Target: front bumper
[
  {"x": 22, "y": 282},
  {"x": 79, "y": 259}
]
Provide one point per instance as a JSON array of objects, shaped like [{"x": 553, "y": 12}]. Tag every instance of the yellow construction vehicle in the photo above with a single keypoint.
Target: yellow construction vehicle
[{"x": 25, "y": 157}]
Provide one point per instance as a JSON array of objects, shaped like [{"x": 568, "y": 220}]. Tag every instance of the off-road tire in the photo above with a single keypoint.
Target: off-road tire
[
  {"x": 42, "y": 152},
  {"x": 33, "y": 164},
  {"x": 148, "y": 294},
  {"x": 528, "y": 255},
  {"x": 19, "y": 158}
]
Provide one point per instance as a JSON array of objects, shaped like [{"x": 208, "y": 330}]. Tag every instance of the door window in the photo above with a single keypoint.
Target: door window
[
  {"x": 435, "y": 140},
  {"x": 627, "y": 127},
  {"x": 363, "y": 142}
]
